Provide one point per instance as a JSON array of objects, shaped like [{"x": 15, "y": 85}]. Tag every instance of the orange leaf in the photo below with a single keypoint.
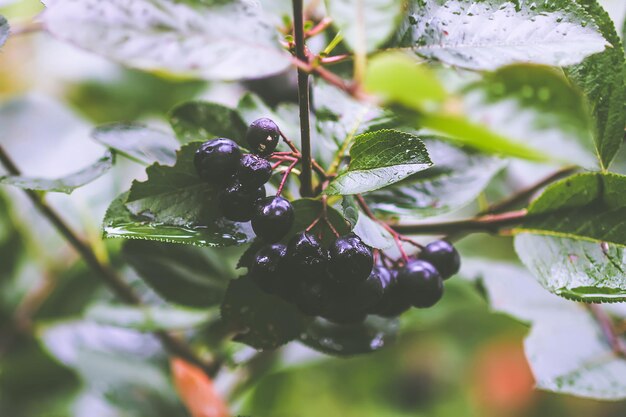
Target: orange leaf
[{"x": 196, "y": 390}]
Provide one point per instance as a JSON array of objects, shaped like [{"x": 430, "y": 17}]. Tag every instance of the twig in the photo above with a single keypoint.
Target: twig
[
  {"x": 110, "y": 277},
  {"x": 525, "y": 194},
  {"x": 489, "y": 223},
  {"x": 283, "y": 181},
  {"x": 610, "y": 334},
  {"x": 332, "y": 78},
  {"x": 306, "y": 177},
  {"x": 319, "y": 28}
]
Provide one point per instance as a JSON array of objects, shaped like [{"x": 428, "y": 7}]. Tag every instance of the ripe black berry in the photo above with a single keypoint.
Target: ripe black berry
[
  {"x": 267, "y": 267},
  {"x": 306, "y": 257},
  {"x": 443, "y": 256},
  {"x": 253, "y": 170},
  {"x": 273, "y": 217},
  {"x": 217, "y": 160},
  {"x": 420, "y": 283},
  {"x": 263, "y": 136},
  {"x": 350, "y": 260},
  {"x": 310, "y": 296},
  {"x": 393, "y": 302},
  {"x": 237, "y": 202},
  {"x": 368, "y": 293},
  {"x": 339, "y": 309}
]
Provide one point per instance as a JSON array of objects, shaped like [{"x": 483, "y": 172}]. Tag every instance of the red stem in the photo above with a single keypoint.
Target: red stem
[{"x": 285, "y": 176}]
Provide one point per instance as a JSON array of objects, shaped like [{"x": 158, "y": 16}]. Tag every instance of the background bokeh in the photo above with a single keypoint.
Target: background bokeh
[{"x": 458, "y": 359}]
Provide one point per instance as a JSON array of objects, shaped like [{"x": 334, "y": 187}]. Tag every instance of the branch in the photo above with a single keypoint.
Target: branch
[
  {"x": 110, "y": 277},
  {"x": 306, "y": 187},
  {"x": 489, "y": 223},
  {"x": 522, "y": 196}
]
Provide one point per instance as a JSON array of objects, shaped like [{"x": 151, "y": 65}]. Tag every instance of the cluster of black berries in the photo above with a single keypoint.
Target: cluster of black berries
[
  {"x": 243, "y": 178},
  {"x": 342, "y": 283}
]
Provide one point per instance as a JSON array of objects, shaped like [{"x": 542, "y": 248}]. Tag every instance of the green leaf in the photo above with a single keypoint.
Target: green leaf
[
  {"x": 261, "y": 320},
  {"x": 366, "y": 22},
  {"x": 456, "y": 178},
  {"x": 149, "y": 318},
  {"x": 465, "y": 132},
  {"x": 181, "y": 274},
  {"x": 174, "y": 205},
  {"x": 535, "y": 106},
  {"x": 396, "y": 77},
  {"x": 65, "y": 184},
  {"x": 487, "y": 34},
  {"x": 307, "y": 211},
  {"x": 579, "y": 270},
  {"x": 574, "y": 244},
  {"x": 4, "y": 30},
  {"x": 138, "y": 142},
  {"x": 601, "y": 78},
  {"x": 379, "y": 159},
  {"x": 201, "y": 121},
  {"x": 190, "y": 39},
  {"x": 566, "y": 347},
  {"x": 588, "y": 206},
  {"x": 346, "y": 340}
]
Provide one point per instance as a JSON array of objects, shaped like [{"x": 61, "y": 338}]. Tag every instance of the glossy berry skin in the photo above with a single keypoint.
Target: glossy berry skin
[
  {"x": 272, "y": 219},
  {"x": 263, "y": 136},
  {"x": 369, "y": 293},
  {"x": 350, "y": 260},
  {"x": 267, "y": 267},
  {"x": 443, "y": 256},
  {"x": 393, "y": 303},
  {"x": 420, "y": 283},
  {"x": 217, "y": 160},
  {"x": 237, "y": 202},
  {"x": 306, "y": 257},
  {"x": 253, "y": 170}
]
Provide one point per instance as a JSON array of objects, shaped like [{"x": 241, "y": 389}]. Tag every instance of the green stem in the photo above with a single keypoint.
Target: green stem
[{"x": 306, "y": 177}]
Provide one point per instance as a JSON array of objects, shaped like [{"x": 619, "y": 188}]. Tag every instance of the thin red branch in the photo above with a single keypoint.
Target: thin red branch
[{"x": 283, "y": 181}]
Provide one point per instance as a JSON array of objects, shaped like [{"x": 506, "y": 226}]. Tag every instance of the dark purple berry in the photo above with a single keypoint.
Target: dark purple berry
[
  {"x": 420, "y": 283},
  {"x": 306, "y": 257},
  {"x": 263, "y": 136},
  {"x": 310, "y": 296},
  {"x": 369, "y": 293},
  {"x": 217, "y": 160},
  {"x": 338, "y": 309},
  {"x": 237, "y": 202},
  {"x": 273, "y": 217},
  {"x": 350, "y": 260},
  {"x": 253, "y": 170},
  {"x": 443, "y": 256},
  {"x": 267, "y": 267},
  {"x": 393, "y": 303}
]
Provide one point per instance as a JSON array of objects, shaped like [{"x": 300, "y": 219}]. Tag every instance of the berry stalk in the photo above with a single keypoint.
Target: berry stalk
[{"x": 306, "y": 177}]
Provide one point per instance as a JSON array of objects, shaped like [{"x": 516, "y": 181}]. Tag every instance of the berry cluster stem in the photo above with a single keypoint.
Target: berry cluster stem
[
  {"x": 109, "y": 276},
  {"x": 397, "y": 237},
  {"x": 306, "y": 177},
  {"x": 283, "y": 181}
]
